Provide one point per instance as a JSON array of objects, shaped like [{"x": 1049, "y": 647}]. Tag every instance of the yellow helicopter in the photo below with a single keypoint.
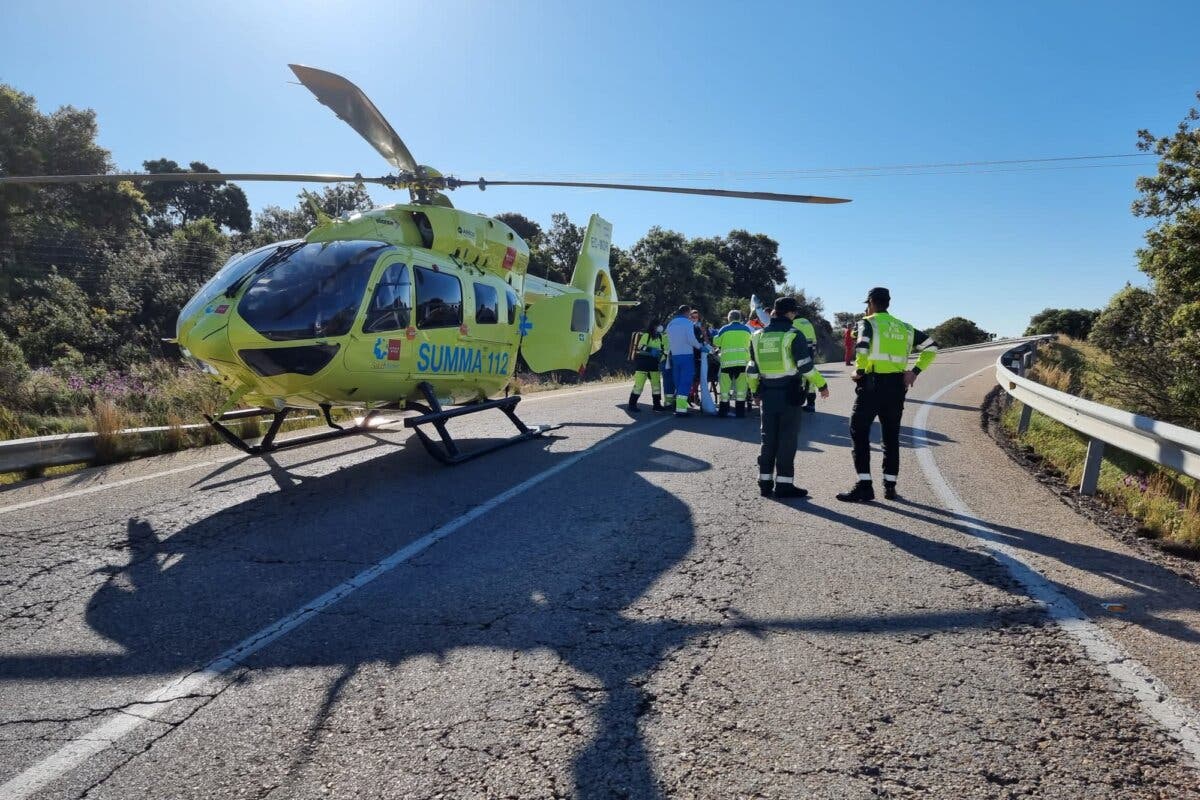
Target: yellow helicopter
[{"x": 410, "y": 307}]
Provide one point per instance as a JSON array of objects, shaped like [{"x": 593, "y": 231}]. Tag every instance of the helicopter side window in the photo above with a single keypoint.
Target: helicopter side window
[
  {"x": 514, "y": 303},
  {"x": 581, "y": 316},
  {"x": 487, "y": 304},
  {"x": 439, "y": 299},
  {"x": 391, "y": 303}
]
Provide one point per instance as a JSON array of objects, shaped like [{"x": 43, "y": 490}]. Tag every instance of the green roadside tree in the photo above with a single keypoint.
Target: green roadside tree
[
  {"x": 843, "y": 318},
  {"x": 1074, "y": 322},
  {"x": 277, "y": 224},
  {"x": 560, "y": 246},
  {"x": 1153, "y": 336},
  {"x": 59, "y": 143},
  {"x": 174, "y": 204},
  {"x": 752, "y": 260},
  {"x": 958, "y": 331}
]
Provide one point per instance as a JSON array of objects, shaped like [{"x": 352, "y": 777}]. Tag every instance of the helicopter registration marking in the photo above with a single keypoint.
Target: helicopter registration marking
[{"x": 450, "y": 358}]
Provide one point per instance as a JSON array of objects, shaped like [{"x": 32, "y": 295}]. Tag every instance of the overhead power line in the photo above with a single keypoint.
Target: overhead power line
[{"x": 877, "y": 171}]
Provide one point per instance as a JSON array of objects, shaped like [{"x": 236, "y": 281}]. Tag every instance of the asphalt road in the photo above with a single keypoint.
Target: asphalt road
[{"x": 611, "y": 611}]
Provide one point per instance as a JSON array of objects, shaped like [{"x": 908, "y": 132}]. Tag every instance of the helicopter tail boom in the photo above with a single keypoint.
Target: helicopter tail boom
[{"x": 568, "y": 321}]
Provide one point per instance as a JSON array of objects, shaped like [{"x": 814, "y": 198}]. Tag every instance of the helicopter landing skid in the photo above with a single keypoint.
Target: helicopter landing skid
[
  {"x": 267, "y": 443},
  {"x": 447, "y": 451}
]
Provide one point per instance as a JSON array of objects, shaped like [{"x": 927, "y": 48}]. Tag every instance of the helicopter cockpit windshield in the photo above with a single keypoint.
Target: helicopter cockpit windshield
[
  {"x": 235, "y": 269},
  {"x": 313, "y": 292}
]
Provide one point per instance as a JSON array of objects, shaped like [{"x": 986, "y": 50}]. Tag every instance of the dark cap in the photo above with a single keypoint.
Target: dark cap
[
  {"x": 785, "y": 305},
  {"x": 880, "y": 295}
]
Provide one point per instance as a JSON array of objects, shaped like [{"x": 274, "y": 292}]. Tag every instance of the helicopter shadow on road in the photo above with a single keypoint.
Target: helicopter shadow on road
[
  {"x": 971, "y": 563},
  {"x": 839, "y": 436},
  {"x": 401, "y": 443},
  {"x": 579, "y": 585},
  {"x": 284, "y": 473},
  {"x": 1157, "y": 590},
  {"x": 951, "y": 406}
]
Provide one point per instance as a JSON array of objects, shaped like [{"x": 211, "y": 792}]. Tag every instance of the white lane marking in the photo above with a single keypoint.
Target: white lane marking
[
  {"x": 550, "y": 395},
  {"x": 101, "y": 737},
  {"x": 1175, "y": 716},
  {"x": 100, "y": 487}
]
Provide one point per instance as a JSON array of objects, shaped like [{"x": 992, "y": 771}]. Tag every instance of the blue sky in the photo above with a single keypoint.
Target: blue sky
[{"x": 661, "y": 90}]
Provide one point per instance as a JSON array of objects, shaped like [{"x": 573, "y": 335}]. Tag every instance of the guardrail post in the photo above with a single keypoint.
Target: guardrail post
[
  {"x": 1027, "y": 361},
  {"x": 1018, "y": 367},
  {"x": 1091, "y": 467},
  {"x": 1023, "y": 423}
]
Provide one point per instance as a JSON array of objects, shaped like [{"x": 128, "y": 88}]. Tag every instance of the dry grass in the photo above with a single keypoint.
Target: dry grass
[
  {"x": 181, "y": 398},
  {"x": 1166, "y": 504},
  {"x": 107, "y": 421},
  {"x": 176, "y": 437},
  {"x": 532, "y": 383},
  {"x": 1053, "y": 376}
]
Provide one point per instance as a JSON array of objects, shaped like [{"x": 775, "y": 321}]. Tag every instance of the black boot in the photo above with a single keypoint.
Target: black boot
[
  {"x": 861, "y": 493},
  {"x": 889, "y": 490},
  {"x": 765, "y": 488},
  {"x": 789, "y": 490},
  {"x": 657, "y": 402},
  {"x": 739, "y": 408},
  {"x": 633, "y": 406},
  {"x": 723, "y": 409},
  {"x": 811, "y": 406}
]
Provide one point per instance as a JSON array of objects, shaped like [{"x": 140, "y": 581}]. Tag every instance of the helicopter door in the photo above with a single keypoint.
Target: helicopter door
[
  {"x": 558, "y": 332},
  {"x": 382, "y": 343},
  {"x": 490, "y": 332}
]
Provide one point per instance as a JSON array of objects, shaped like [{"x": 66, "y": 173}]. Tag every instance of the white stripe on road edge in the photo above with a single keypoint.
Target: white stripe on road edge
[
  {"x": 68, "y": 495},
  {"x": 100, "y": 487},
  {"x": 127, "y": 720},
  {"x": 1180, "y": 721}
]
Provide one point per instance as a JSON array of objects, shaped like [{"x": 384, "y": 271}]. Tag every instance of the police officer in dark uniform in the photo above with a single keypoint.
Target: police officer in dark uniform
[
  {"x": 883, "y": 378},
  {"x": 782, "y": 356}
]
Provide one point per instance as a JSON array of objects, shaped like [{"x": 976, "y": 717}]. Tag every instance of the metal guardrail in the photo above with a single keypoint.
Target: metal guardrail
[
  {"x": 1162, "y": 443},
  {"x": 17, "y": 455},
  {"x": 38, "y": 452}
]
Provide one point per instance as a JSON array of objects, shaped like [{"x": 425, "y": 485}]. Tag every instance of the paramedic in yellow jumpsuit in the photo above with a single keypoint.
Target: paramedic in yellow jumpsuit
[
  {"x": 733, "y": 341},
  {"x": 647, "y": 356}
]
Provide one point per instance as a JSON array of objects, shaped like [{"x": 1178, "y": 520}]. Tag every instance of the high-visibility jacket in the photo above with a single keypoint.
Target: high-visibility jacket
[
  {"x": 781, "y": 354},
  {"x": 806, "y": 327},
  {"x": 648, "y": 351},
  {"x": 884, "y": 343},
  {"x": 734, "y": 343}
]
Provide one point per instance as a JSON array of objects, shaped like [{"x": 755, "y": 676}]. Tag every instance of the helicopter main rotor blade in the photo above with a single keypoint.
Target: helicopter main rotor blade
[
  {"x": 188, "y": 177},
  {"x": 783, "y": 198},
  {"x": 356, "y": 109}
]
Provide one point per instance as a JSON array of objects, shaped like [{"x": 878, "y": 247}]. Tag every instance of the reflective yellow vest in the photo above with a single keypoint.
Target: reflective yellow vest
[
  {"x": 889, "y": 343},
  {"x": 734, "y": 343},
  {"x": 806, "y": 327},
  {"x": 773, "y": 353}
]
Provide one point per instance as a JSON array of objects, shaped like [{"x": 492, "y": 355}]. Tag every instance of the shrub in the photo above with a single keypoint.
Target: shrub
[{"x": 13, "y": 369}]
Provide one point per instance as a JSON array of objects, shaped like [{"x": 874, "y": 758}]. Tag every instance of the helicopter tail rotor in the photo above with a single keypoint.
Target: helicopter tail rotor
[{"x": 592, "y": 277}]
